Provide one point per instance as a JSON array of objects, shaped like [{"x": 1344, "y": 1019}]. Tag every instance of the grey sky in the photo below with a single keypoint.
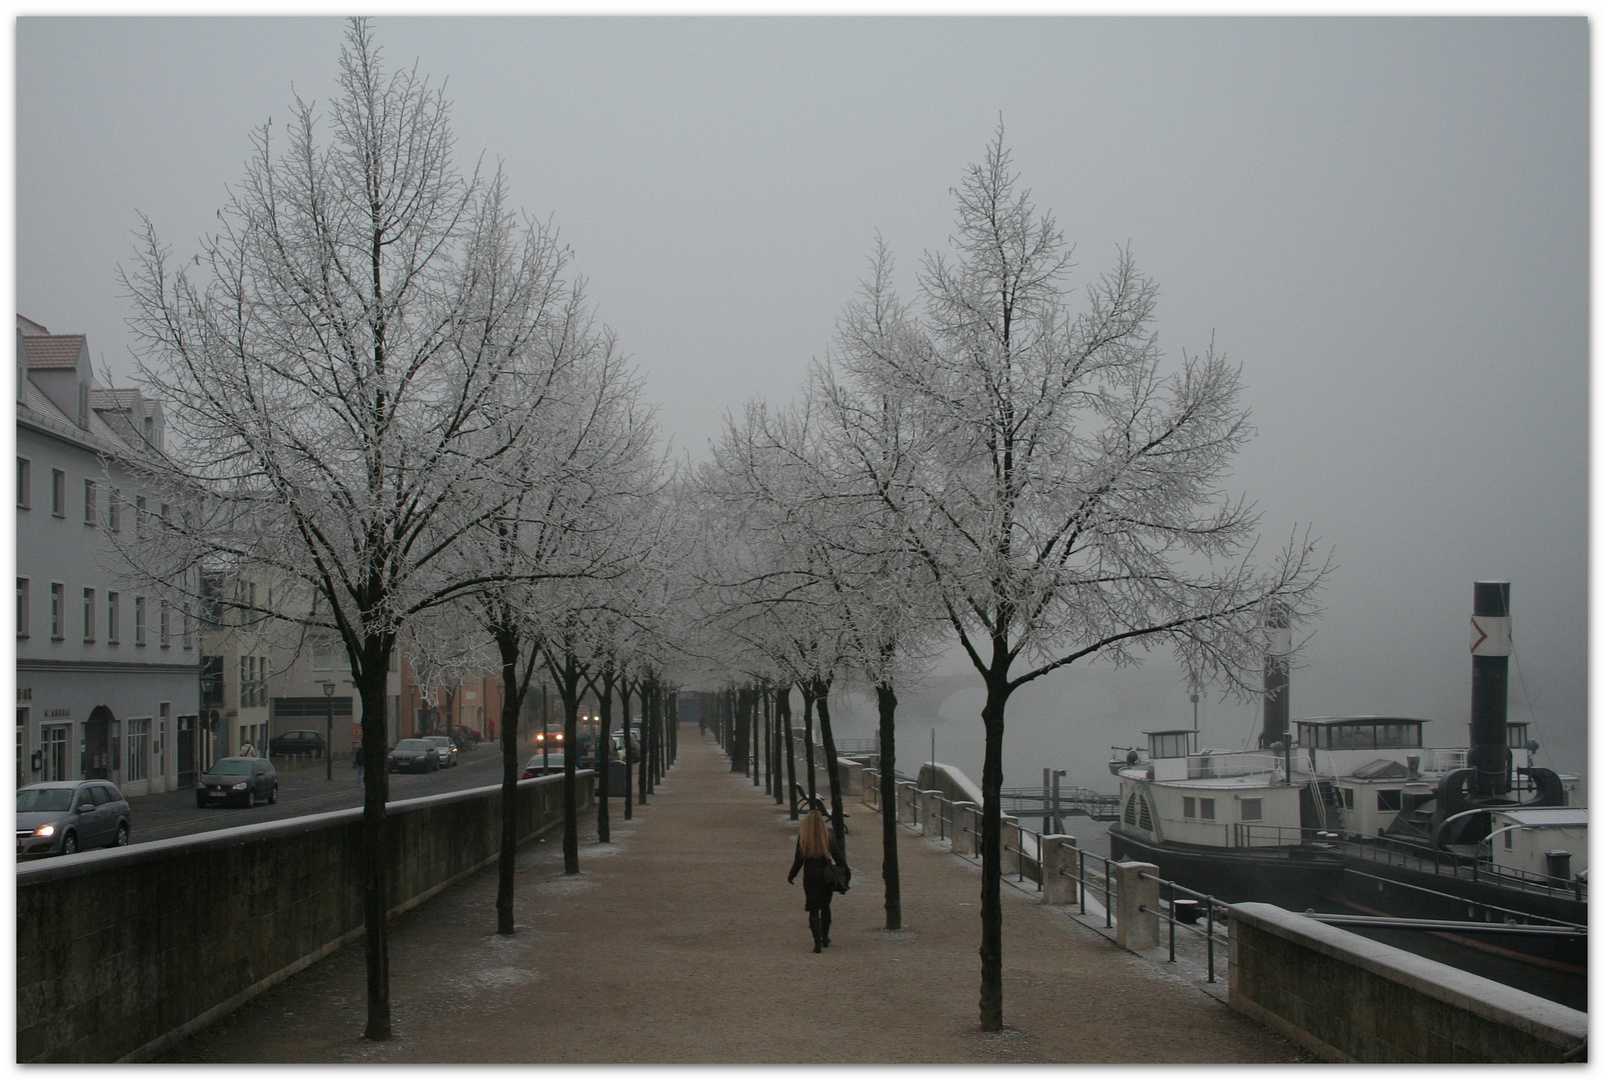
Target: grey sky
[{"x": 1383, "y": 220}]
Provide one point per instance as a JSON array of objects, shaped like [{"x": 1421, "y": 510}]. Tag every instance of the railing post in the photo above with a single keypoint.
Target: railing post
[
  {"x": 1137, "y": 926},
  {"x": 965, "y": 828},
  {"x": 929, "y": 811},
  {"x": 871, "y": 788},
  {"x": 1080, "y": 879},
  {"x": 1210, "y": 901},
  {"x": 1010, "y": 839},
  {"x": 1057, "y": 853}
]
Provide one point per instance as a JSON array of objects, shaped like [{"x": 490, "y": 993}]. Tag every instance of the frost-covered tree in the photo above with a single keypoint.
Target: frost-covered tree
[
  {"x": 348, "y": 362},
  {"x": 1058, "y": 480}
]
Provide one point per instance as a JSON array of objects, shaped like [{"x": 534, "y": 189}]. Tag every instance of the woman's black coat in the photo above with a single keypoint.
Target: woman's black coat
[{"x": 818, "y": 884}]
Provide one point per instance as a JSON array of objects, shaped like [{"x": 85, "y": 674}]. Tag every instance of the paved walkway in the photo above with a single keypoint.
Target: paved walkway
[{"x": 680, "y": 942}]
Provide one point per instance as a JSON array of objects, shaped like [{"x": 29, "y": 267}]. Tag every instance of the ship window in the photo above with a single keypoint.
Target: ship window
[
  {"x": 1389, "y": 799},
  {"x": 1509, "y": 839},
  {"x": 1188, "y": 806},
  {"x": 1347, "y": 797},
  {"x": 1173, "y": 744},
  {"x": 1252, "y": 809},
  {"x": 1517, "y": 736},
  {"x": 1206, "y": 809}
]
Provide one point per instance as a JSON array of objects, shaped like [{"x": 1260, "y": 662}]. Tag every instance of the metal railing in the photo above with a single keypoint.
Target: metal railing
[
  {"x": 1091, "y": 873},
  {"x": 1413, "y": 856}
]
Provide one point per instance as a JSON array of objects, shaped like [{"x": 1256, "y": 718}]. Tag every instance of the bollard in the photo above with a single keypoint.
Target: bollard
[
  {"x": 1058, "y": 869},
  {"x": 965, "y": 828},
  {"x": 871, "y": 788},
  {"x": 930, "y": 813},
  {"x": 1136, "y": 904}
]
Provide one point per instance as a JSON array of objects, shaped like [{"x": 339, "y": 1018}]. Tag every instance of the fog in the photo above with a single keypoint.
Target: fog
[{"x": 1383, "y": 221}]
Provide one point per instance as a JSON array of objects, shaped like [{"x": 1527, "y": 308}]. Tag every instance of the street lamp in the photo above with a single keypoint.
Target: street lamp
[{"x": 328, "y": 742}]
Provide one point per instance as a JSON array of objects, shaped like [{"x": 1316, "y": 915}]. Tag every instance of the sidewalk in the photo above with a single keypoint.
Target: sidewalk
[{"x": 681, "y": 942}]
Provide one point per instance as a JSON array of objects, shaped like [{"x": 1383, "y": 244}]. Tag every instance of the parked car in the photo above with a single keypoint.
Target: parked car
[
  {"x": 415, "y": 755},
  {"x": 245, "y": 780},
  {"x": 296, "y": 742},
  {"x": 543, "y": 764},
  {"x": 63, "y": 816},
  {"x": 447, "y": 748}
]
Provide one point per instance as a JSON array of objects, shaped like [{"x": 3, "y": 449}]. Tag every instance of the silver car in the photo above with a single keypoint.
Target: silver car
[
  {"x": 63, "y": 816},
  {"x": 447, "y": 748}
]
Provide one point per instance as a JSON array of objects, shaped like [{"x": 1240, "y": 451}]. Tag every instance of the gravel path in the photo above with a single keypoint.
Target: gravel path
[{"x": 681, "y": 942}]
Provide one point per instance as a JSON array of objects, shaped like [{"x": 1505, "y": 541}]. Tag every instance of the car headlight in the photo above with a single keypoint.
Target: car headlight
[
  {"x": 241, "y": 786},
  {"x": 45, "y": 830}
]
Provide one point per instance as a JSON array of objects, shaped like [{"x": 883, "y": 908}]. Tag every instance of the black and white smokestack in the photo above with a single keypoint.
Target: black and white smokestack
[
  {"x": 1489, "y": 689},
  {"x": 1277, "y": 644}
]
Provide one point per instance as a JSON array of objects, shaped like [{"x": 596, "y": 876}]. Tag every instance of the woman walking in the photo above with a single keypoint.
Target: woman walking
[{"x": 815, "y": 852}]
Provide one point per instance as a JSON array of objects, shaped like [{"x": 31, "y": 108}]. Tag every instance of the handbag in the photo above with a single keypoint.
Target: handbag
[{"x": 840, "y": 877}]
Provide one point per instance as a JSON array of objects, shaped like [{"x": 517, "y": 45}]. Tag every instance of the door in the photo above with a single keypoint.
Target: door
[{"x": 186, "y": 751}]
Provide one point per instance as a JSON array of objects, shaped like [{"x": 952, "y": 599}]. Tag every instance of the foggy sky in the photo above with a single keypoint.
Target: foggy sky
[{"x": 1384, "y": 221}]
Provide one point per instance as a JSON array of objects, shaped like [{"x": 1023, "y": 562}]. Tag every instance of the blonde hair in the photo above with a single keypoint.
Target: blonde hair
[{"x": 814, "y": 836}]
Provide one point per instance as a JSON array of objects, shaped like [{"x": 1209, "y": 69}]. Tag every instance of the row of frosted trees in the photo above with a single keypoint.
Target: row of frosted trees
[
  {"x": 995, "y": 468},
  {"x": 389, "y": 396}
]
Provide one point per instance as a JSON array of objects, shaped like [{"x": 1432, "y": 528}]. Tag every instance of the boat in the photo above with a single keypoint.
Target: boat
[{"x": 1358, "y": 814}]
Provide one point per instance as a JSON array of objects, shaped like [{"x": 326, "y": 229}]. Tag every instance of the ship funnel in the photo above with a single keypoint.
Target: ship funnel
[
  {"x": 1489, "y": 689},
  {"x": 1277, "y": 645}
]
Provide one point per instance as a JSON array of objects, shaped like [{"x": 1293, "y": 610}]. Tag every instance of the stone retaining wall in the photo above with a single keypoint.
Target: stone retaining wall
[
  {"x": 1351, "y": 999},
  {"x": 122, "y": 953}
]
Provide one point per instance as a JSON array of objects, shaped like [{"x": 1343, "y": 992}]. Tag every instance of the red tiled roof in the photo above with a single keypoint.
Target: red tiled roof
[
  {"x": 113, "y": 399},
  {"x": 54, "y": 350}
]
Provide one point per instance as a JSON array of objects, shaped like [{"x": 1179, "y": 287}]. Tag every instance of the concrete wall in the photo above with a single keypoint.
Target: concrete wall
[
  {"x": 952, "y": 783},
  {"x": 123, "y": 952},
  {"x": 1351, "y": 999}
]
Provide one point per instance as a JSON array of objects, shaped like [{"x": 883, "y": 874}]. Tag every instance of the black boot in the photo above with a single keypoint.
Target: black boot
[
  {"x": 818, "y": 932},
  {"x": 824, "y": 927}
]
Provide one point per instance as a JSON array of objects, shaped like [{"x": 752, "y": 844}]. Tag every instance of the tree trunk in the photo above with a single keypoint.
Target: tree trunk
[
  {"x": 629, "y": 756},
  {"x": 890, "y": 870},
  {"x": 512, "y": 698},
  {"x": 604, "y": 741},
  {"x": 370, "y": 685},
  {"x": 568, "y": 690},
  {"x": 832, "y": 768},
  {"x": 782, "y": 711},
  {"x": 807, "y": 738},
  {"x": 991, "y": 777}
]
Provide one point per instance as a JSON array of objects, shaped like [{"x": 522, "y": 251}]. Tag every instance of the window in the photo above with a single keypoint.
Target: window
[
  {"x": 58, "y": 611},
  {"x": 114, "y": 510},
  {"x": 189, "y": 629},
  {"x": 1188, "y": 806},
  {"x": 58, "y": 493},
  {"x": 321, "y": 659},
  {"x": 22, "y": 746},
  {"x": 165, "y": 710},
  {"x": 139, "y": 516},
  {"x": 113, "y": 617},
  {"x": 1346, "y": 795},
  {"x": 164, "y": 623},
  {"x": 138, "y": 749},
  {"x": 24, "y": 483},
  {"x": 1252, "y": 809},
  {"x": 53, "y": 743},
  {"x": 89, "y": 502},
  {"x": 89, "y": 615},
  {"x": 1389, "y": 799},
  {"x": 1206, "y": 809},
  {"x": 1509, "y": 839},
  {"x": 139, "y": 620},
  {"x": 22, "y": 607}
]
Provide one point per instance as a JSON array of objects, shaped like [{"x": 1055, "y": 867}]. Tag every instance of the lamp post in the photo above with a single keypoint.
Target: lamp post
[{"x": 328, "y": 741}]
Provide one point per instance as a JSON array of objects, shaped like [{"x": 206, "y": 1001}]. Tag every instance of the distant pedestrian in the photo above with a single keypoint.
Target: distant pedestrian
[
  {"x": 358, "y": 761},
  {"x": 816, "y": 852}
]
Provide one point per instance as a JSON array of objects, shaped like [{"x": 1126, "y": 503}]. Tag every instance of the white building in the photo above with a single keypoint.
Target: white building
[{"x": 107, "y": 671}]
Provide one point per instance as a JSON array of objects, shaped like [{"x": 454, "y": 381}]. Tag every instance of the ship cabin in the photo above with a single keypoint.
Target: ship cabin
[
  {"x": 1208, "y": 797},
  {"x": 1547, "y": 842}
]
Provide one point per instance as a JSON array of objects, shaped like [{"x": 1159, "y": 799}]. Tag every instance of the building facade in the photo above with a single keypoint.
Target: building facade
[{"x": 107, "y": 669}]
